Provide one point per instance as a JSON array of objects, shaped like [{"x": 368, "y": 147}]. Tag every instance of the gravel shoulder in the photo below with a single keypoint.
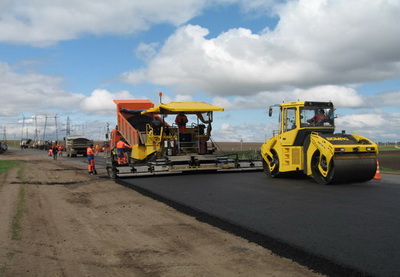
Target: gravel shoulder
[{"x": 74, "y": 224}]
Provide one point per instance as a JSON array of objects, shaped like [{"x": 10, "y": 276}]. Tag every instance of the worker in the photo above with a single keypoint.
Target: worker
[
  {"x": 90, "y": 156},
  {"x": 121, "y": 144},
  {"x": 60, "y": 150},
  {"x": 54, "y": 151},
  {"x": 181, "y": 121},
  {"x": 318, "y": 117},
  {"x": 156, "y": 125}
]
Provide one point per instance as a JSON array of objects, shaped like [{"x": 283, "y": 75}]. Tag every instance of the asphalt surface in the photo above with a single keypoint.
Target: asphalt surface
[{"x": 339, "y": 230}]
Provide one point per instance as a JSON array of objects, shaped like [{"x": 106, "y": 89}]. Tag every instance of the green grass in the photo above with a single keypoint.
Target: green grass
[
  {"x": 389, "y": 170},
  {"x": 388, "y": 148},
  {"x": 6, "y": 165},
  {"x": 16, "y": 226}
]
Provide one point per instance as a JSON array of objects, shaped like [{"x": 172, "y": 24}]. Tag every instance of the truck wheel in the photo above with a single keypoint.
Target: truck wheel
[{"x": 272, "y": 169}]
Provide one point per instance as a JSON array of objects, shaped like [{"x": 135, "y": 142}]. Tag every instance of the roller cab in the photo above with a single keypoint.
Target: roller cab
[{"x": 305, "y": 142}]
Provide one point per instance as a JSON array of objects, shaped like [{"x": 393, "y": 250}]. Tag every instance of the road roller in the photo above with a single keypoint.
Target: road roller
[{"x": 306, "y": 142}]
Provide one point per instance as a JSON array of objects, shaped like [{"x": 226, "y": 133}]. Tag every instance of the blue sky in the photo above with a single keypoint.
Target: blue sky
[{"x": 72, "y": 58}]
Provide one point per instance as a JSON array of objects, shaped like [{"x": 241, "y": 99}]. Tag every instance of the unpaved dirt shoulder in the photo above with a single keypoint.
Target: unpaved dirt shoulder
[{"x": 80, "y": 225}]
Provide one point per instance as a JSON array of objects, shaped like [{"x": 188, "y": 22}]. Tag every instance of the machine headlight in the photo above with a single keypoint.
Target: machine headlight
[{"x": 339, "y": 149}]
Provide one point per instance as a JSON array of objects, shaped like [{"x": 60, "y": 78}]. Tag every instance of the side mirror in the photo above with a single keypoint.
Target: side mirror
[{"x": 270, "y": 111}]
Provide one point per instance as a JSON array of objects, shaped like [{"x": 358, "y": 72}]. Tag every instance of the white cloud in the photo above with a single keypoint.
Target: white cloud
[
  {"x": 32, "y": 92},
  {"x": 385, "y": 99},
  {"x": 146, "y": 52},
  {"x": 43, "y": 23},
  {"x": 316, "y": 42},
  {"x": 361, "y": 121},
  {"x": 377, "y": 126},
  {"x": 37, "y": 22},
  {"x": 100, "y": 101},
  {"x": 342, "y": 97}
]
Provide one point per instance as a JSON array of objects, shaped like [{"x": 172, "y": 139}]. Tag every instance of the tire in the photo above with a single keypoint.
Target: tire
[
  {"x": 316, "y": 172},
  {"x": 272, "y": 169}
]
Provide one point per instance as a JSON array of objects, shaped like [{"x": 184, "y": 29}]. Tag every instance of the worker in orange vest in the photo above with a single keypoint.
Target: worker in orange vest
[
  {"x": 121, "y": 144},
  {"x": 181, "y": 121},
  {"x": 90, "y": 155}
]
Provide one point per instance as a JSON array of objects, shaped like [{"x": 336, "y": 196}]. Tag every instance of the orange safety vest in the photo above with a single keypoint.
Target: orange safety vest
[
  {"x": 89, "y": 151},
  {"x": 121, "y": 144}
]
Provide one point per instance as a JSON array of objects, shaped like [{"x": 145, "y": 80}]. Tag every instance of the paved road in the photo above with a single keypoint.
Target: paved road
[{"x": 354, "y": 225}]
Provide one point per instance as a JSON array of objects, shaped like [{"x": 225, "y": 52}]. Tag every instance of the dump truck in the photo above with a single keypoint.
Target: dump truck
[
  {"x": 159, "y": 147},
  {"x": 306, "y": 143},
  {"x": 76, "y": 145}
]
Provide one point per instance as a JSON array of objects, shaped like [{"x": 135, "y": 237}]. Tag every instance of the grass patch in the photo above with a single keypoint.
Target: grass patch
[
  {"x": 387, "y": 148},
  {"x": 389, "y": 170},
  {"x": 6, "y": 165},
  {"x": 16, "y": 226}
]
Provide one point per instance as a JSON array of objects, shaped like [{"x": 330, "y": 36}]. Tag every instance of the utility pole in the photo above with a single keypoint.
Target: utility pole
[
  {"x": 5, "y": 134},
  {"x": 36, "y": 136},
  {"x": 55, "y": 118},
  {"x": 23, "y": 125},
  {"x": 68, "y": 129},
  {"x": 44, "y": 130}
]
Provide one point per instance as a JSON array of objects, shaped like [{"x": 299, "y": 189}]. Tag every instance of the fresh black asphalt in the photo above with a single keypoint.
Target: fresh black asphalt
[{"x": 338, "y": 230}]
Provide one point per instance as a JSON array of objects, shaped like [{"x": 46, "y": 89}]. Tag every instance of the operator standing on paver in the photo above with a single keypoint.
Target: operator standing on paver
[
  {"x": 90, "y": 156},
  {"x": 121, "y": 144},
  {"x": 181, "y": 121}
]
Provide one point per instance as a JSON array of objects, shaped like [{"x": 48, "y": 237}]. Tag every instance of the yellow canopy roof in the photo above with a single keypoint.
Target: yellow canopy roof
[{"x": 185, "y": 107}]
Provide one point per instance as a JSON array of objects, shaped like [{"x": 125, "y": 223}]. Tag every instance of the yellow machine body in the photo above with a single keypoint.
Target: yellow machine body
[{"x": 306, "y": 142}]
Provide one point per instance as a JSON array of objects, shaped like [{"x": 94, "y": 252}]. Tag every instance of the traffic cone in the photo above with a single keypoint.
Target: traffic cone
[{"x": 378, "y": 171}]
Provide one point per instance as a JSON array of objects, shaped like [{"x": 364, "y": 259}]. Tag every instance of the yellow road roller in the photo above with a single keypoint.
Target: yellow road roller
[{"x": 305, "y": 142}]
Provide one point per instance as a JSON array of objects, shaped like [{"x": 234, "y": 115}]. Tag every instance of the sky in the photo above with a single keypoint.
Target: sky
[{"x": 65, "y": 61}]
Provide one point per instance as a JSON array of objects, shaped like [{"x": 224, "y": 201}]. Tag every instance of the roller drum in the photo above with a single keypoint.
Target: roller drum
[{"x": 349, "y": 169}]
